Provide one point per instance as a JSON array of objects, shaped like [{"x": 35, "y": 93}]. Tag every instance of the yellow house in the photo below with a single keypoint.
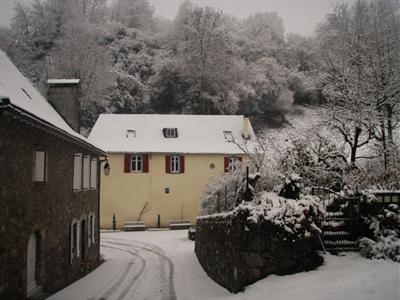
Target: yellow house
[{"x": 161, "y": 163}]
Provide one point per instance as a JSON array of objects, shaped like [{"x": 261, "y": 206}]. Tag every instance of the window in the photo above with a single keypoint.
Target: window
[
  {"x": 40, "y": 167},
  {"x": 230, "y": 163},
  {"x": 86, "y": 172},
  {"x": 170, "y": 132},
  {"x": 228, "y": 136},
  {"x": 93, "y": 174},
  {"x": 91, "y": 230},
  {"x": 74, "y": 242},
  {"x": 137, "y": 163},
  {"x": 130, "y": 133},
  {"x": 77, "y": 180},
  {"x": 175, "y": 164}
]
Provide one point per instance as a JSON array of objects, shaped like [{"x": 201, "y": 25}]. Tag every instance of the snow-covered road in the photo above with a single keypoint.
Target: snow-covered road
[{"x": 162, "y": 265}]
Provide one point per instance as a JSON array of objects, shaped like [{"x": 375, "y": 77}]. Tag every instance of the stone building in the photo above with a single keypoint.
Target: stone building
[{"x": 49, "y": 192}]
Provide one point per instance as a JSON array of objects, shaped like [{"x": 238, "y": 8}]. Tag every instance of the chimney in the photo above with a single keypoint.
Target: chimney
[
  {"x": 63, "y": 96},
  {"x": 246, "y": 127}
]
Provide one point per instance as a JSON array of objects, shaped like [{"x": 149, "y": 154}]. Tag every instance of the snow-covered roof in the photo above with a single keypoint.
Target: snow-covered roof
[
  {"x": 196, "y": 133},
  {"x": 25, "y": 99},
  {"x": 63, "y": 81}
]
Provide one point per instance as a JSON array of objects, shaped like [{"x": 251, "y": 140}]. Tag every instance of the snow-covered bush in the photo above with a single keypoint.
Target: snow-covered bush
[
  {"x": 385, "y": 235},
  {"x": 316, "y": 159},
  {"x": 373, "y": 176},
  {"x": 291, "y": 219},
  {"x": 291, "y": 186}
]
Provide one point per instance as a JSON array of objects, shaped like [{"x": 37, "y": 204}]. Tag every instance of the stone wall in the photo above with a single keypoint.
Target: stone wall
[
  {"x": 236, "y": 253},
  {"x": 45, "y": 209}
]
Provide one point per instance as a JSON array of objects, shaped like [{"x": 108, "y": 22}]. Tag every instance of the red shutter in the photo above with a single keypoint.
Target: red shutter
[
  {"x": 240, "y": 159},
  {"x": 182, "y": 164},
  {"x": 127, "y": 163},
  {"x": 167, "y": 164},
  {"x": 145, "y": 163},
  {"x": 226, "y": 163}
]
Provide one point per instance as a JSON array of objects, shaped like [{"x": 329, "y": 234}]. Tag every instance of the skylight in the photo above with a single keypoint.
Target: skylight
[
  {"x": 170, "y": 132},
  {"x": 228, "y": 136},
  {"x": 130, "y": 133}
]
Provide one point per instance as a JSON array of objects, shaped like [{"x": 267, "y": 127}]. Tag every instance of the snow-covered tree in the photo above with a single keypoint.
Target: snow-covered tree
[
  {"x": 342, "y": 45},
  {"x": 133, "y": 14},
  {"x": 79, "y": 54}
]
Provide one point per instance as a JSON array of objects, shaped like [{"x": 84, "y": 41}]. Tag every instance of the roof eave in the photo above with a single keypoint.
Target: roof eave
[{"x": 6, "y": 105}]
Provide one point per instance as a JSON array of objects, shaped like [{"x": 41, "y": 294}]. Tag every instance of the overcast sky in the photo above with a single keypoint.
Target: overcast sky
[{"x": 299, "y": 16}]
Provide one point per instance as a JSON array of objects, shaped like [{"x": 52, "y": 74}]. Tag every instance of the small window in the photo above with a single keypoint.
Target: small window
[
  {"x": 86, "y": 172},
  {"x": 93, "y": 174},
  {"x": 91, "y": 230},
  {"x": 170, "y": 132},
  {"x": 228, "y": 136},
  {"x": 130, "y": 133},
  {"x": 77, "y": 180},
  {"x": 74, "y": 240},
  {"x": 175, "y": 164},
  {"x": 40, "y": 167},
  {"x": 233, "y": 161},
  {"x": 137, "y": 163}
]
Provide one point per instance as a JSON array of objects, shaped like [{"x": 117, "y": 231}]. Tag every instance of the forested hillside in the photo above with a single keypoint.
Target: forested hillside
[
  {"x": 129, "y": 61},
  {"x": 207, "y": 62}
]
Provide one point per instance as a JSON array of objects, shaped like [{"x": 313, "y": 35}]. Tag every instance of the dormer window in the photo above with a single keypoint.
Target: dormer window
[
  {"x": 170, "y": 132},
  {"x": 228, "y": 136},
  {"x": 130, "y": 133}
]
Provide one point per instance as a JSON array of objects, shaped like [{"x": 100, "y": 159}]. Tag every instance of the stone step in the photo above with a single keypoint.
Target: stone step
[
  {"x": 340, "y": 243},
  {"x": 334, "y": 213},
  {"x": 341, "y": 249},
  {"x": 336, "y": 233}
]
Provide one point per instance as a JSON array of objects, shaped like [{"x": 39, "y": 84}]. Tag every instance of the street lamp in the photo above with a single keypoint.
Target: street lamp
[{"x": 107, "y": 168}]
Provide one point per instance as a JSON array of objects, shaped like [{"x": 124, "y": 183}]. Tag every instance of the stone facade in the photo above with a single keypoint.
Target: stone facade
[
  {"x": 236, "y": 253},
  {"x": 45, "y": 209}
]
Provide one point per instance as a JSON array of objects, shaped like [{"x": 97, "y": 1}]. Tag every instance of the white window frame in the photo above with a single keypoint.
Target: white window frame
[
  {"x": 77, "y": 172},
  {"x": 91, "y": 229},
  {"x": 136, "y": 159},
  {"x": 93, "y": 174},
  {"x": 40, "y": 166},
  {"x": 73, "y": 241},
  {"x": 228, "y": 136},
  {"x": 78, "y": 239},
  {"x": 175, "y": 164},
  {"x": 171, "y": 132},
  {"x": 86, "y": 173}
]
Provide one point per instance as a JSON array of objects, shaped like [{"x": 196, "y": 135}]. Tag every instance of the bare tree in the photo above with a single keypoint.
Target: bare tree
[{"x": 342, "y": 44}]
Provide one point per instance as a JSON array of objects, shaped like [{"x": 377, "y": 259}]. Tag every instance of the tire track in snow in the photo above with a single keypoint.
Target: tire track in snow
[
  {"x": 169, "y": 281},
  {"x": 114, "y": 288}
]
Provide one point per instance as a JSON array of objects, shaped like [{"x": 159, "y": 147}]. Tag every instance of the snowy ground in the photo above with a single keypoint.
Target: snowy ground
[{"x": 162, "y": 265}]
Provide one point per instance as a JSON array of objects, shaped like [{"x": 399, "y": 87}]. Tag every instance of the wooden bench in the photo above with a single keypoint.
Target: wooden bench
[
  {"x": 179, "y": 224},
  {"x": 134, "y": 226}
]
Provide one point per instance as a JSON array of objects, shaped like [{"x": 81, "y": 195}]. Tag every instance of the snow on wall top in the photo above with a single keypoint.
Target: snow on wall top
[
  {"x": 196, "y": 133},
  {"x": 63, "y": 81},
  {"x": 21, "y": 93}
]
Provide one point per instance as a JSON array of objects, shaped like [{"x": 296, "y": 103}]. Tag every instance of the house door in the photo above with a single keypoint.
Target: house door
[
  {"x": 31, "y": 261},
  {"x": 83, "y": 240}
]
